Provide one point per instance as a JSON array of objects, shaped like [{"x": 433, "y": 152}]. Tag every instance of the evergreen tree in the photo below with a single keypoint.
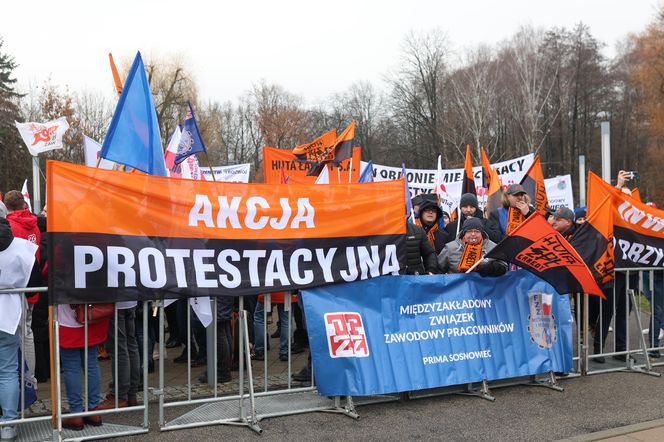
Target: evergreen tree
[{"x": 14, "y": 157}]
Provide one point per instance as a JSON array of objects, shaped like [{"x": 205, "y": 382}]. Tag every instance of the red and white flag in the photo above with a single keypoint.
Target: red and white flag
[
  {"x": 172, "y": 149},
  {"x": 42, "y": 137},
  {"x": 26, "y": 194}
]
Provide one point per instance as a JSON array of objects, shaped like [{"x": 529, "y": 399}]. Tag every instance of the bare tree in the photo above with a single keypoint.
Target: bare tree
[
  {"x": 474, "y": 93},
  {"x": 528, "y": 86},
  {"x": 280, "y": 115},
  {"x": 418, "y": 94}
]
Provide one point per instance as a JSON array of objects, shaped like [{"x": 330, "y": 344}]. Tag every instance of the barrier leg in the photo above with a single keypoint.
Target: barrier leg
[
  {"x": 483, "y": 392},
  {"x": 251, "y": 420},
  {"x": 550, "y": 382},
  {"x": 642, "y": 342},
  {"x": 347, "y": 410}
]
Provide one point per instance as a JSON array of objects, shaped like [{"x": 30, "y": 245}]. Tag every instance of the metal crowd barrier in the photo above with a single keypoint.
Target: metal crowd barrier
[
  {"x": 617, "y": 330},
  {"x": 47, "y": 425},
  {"x": 258, "y": 396}
]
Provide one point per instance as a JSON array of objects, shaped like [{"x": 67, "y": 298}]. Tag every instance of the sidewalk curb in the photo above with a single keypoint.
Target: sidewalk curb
[{"x": 613, "y": 432}]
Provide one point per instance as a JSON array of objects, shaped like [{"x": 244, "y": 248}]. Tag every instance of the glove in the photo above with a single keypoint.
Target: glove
[{"x": 492, "y": 268}]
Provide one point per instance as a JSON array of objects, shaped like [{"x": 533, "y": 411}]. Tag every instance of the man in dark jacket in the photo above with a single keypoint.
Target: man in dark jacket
[
  {"x": 469, "y": 207},
  {"x": 563, "y": 222},
  {"x": 430, "y": 213},
  {"x": 420, "y": 256},
  {"x": 468, "y": 250}
]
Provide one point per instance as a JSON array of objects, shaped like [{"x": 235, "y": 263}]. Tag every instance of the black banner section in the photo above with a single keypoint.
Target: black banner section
[
  {"x": 633, "y": 249},
  {"x": 92, "y": 267}
]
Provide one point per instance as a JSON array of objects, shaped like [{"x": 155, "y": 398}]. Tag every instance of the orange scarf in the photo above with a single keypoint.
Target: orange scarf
[
  {"x": 471, "y": 254},
  {"x": 514, "y": 219},
  {"x": 430, "y": 235}
]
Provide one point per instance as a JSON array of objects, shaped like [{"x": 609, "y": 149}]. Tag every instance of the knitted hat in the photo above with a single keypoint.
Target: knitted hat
[
  {"x": 472, "y": 223},
  {"x": 468, "y": 199}
]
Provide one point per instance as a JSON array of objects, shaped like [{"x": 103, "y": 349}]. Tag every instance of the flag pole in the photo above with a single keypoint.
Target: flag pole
[
  {"x": 207, "y": 158},
  {"x": 36, "y": 196},
  {"x": 338, "y": 174},
  {"x": 479, "y": 261},
  {"x": 458, "y": 220},
  {"x": 350, "y": 170}
]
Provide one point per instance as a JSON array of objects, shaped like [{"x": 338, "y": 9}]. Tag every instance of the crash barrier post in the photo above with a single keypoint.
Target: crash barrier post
[
  {"x": 622, "y": 318},
  {"x": 35, "y": 425},
  {"x": 253, "y": 399}
]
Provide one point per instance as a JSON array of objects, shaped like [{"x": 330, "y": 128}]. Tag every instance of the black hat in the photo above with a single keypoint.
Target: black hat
[
  {"x": 515, "y": 189},
  {"x": 427, "y": 204},
  {"x": 468, "y": 199},
  {"x": 564, "y": 213},
  {"x": 580, "y": 212},
  {"x": 429, "y": 197},
  {"x": 416, "y": 200},
  {"x": 472, "y": 223}
]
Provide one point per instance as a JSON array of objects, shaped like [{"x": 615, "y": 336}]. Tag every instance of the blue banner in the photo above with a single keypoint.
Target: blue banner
[{"x": 404, "y": 333}]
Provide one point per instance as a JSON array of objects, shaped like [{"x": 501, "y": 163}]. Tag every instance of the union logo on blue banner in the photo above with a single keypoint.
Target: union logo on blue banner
[
  {"x": 345, "y": 335},
  {"x": 541, "y": 322}
]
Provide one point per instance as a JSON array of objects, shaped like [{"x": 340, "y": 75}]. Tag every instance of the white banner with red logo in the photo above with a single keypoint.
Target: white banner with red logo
[{"x": 42, "y": 137}]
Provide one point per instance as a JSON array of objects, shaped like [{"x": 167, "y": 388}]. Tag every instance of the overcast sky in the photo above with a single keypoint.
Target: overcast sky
[{"x": 311, "y": 48}]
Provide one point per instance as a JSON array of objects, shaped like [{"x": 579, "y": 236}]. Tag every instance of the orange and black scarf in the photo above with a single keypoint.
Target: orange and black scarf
[
  {"x": 430, "y": 235},
  {"x": 471, "y": 254},
  {"x": 514, "y": 219}
]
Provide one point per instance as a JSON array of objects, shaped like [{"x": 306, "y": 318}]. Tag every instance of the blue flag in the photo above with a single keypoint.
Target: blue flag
[
  {"x": 367, "y": 174},
  {"x": 191, "y": 141},
  {"x": 409, "y": 204},
  {"x": 133, "y": 137}
]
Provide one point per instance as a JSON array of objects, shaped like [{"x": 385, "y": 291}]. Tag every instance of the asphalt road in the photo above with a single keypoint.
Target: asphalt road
[{"x": 587, "y": 405}]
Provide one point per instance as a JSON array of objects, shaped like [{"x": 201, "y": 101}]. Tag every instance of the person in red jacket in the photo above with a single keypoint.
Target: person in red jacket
[
  {"x": 72, "y": 356},
  {"x": 24, "y": 225}
]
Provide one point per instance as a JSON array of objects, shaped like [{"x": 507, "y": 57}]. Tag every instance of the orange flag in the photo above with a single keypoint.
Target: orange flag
[
  {"x": 468, "y": 183},
  {"x": 533, "y": 182},
  {"x": 486, "y": 170},
  {"x": 116, "y": 76},
  {"x": 594, "y": 241},
  {"x": 495, "y": 194}
]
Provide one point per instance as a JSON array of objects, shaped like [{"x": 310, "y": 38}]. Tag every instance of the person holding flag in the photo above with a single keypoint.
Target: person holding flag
[
  {"x": 467, "y": 252},
  {"x": 516, "y": 208}
]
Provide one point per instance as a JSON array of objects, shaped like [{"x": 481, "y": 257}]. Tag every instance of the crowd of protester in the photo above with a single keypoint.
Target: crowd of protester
[{"x": 436, "y": 242}]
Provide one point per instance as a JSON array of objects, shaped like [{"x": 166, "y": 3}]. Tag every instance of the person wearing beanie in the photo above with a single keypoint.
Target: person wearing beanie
[
  {"x": 430, "y": 213},
  {"x": 468, "y": 249},
  {"x": 516, "y": 208},
  {"x": 469, "y": 207},
  {"x": 580, "y": 215}
]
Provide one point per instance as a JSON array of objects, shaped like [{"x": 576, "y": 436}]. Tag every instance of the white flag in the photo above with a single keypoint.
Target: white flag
[
  {"x": 42, "y": 137},
  {"x": 323, "y": 177},
  {"x": 201, "y": 307},
  {"x": 26, "y": 194},
  {"x": 91, "y": 150}
]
